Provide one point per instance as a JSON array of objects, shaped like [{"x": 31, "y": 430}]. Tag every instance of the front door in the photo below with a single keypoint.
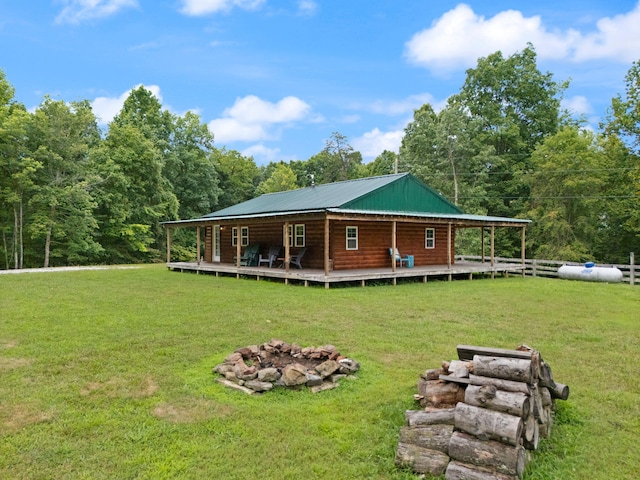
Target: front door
[{"x": 216, "y": 244}]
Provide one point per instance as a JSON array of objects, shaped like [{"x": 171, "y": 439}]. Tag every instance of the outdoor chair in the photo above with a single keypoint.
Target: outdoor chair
[
  {"x": 399, "y": 259},
  {"x": 295, "y": 259},
  {"x": 271, "y": 256},
  {"x": 250, "y": 256}
]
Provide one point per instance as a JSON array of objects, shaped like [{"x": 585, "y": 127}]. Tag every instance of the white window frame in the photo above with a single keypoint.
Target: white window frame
[
  {"x": 429, "y": 238},
  {"x": 351, "y": 234},
  {"x": 244, "y": 236},
  {"x": 297, "y": 235}
]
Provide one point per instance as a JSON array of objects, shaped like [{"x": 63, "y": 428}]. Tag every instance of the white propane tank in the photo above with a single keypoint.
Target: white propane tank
[{"x": 590, "y": 273}]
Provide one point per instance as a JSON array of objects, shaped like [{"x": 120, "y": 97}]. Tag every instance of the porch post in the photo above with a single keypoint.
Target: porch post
[
  {"x": 238, "y": 242},
  {"x": 393, "y": 246},
  {"x": 287, "y": 249},
  {"x": 523, "y": 250},
  {"x": 493, "y": 244},
  {"x": 168, "y": 244},
  {"x": 198, "y": 244},
  {"x": 449, "y": 246},
  {"x": 326, "y": 246},
  {"x": 482, "y": 242}
]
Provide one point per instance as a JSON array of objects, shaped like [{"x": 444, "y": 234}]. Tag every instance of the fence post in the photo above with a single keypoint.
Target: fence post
[
  {"x": 535, "y": 267},
  {"x": 632, "y": 269}
]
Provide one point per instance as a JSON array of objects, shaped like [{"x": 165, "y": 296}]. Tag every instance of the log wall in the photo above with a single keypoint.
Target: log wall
[{"x": 374, "y": 241}]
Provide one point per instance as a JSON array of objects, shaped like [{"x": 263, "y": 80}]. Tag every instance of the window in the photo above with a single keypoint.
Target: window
[
  {"x": 244, "y": 236},
  {"x": 352, "y": 238},
  {"x": 429, "y": 238},
  {"x": 297, "y": 235}
]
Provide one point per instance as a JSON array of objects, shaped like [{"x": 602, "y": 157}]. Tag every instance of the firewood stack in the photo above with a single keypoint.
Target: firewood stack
[{"x": 481, "y": 414}]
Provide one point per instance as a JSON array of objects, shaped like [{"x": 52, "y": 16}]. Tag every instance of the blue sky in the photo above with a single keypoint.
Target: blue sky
[{"x": 274, "y": 79}]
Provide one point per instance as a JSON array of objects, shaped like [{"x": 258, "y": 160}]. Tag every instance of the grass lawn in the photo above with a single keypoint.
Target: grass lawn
[{"x": 107, "y": 374}]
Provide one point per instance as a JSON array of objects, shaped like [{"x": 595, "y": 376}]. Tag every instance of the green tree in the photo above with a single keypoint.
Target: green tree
[
  {"x": 17, "y": 173},
  {"x": 282, "y": 178},
  {"x": 190, "y": 167},
  {"x": 133, "y": 193},
  {"x": 567, "y": 189},
  {"x": 383, "y": 164},
  {"x": 517, "y": 107},
  {"x": 239, "y": 176},
  {"x": 60, "y": 136}
]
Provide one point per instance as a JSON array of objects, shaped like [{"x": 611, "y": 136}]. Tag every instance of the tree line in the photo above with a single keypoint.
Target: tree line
[{"x": 73, "y": 194}]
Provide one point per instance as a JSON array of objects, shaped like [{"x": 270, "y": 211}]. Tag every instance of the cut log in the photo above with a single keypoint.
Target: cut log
[
  {"x": 487, "y": 424},
  {"x": 461, "y": 471},
  {"x": 546, "y": 377},
  {"x": 545, "y": 428},
  {"x": 545, "y": 394},
  {"x": 531, "y": 433},
  {"x": 443, "y": 416},
  {"x": 460, "y": 368},
  {"x": 507, "y": 459},
  {"x": 459, "y": 380},
  {"x": 500, "y": 384},
  {"x": 432, "y": 374},
  {"x": 559, "y": 391},
  {"x": 421, "y": 460},
  {"x": 434, "y": 437},
  {"x": 517, "y": 369},
  {"x": 467, "y": 352},
  {"x": 488, "y": 396},
  {"x": 438, "y": 393}
]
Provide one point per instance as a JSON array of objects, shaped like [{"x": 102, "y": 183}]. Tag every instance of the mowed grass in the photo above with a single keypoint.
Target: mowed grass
[{"x": 107, "y": 374}]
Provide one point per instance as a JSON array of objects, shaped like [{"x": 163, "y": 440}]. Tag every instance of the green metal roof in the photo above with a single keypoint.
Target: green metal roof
[{"x": 389, "y": 193}]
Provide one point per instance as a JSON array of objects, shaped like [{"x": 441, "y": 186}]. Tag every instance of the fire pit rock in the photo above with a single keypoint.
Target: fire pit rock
[{"x": 260, "y": 368}]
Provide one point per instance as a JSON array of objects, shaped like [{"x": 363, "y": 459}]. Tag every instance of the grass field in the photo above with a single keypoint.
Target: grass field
[{"x": 107, "y": 374}]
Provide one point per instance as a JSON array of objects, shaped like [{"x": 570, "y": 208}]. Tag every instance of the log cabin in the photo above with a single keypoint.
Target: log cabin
[{"x": 346, "y": 226}]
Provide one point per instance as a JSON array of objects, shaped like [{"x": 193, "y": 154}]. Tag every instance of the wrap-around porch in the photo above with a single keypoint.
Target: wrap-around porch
[{"x": 464, "y": 270}]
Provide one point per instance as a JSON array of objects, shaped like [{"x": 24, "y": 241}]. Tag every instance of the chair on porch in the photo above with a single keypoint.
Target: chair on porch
[
  {"x": 271, "y": 256},
  {"x": 295, "y": 259},
  {"x": 398, "y": 258},
  {"x": 250, "y": 256}
]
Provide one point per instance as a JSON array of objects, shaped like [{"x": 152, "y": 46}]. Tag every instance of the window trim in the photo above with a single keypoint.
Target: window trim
[
  {"x": 244, "y": 236},
  {"x": 295, "y": 239},
  {"x": 429, "y": 239},
  {"x": 354, "y": 230}
]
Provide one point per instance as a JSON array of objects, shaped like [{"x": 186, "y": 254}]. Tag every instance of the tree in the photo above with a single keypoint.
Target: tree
[
  {"x": 17, "y": 174},
  {"x": 239, "y": 176},
  {"x": 567, "y": 202},
  {"x": 190, "y": 167},
  {"x": 282, "y": 178},
  {"x": 624, "y": 114},
  {"x": 384, "y": 164},
  {"x": 517, "y": 107},
  {"x": 60, "y": 136}
]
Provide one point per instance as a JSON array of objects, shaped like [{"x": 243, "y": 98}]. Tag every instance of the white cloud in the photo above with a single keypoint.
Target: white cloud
[
  {"x": 252, "y": 119},
  {"x": 105, "y": 108},
  {"x": 205, "y": 7},
  {"x": 578, "y": 105},
  {"x": 307, "y": 7},
  {"x": 460, "y": 36},
  {"x": 373, "y": 143},
  {"x": 400, "y": 107},
  {"x": 261, "y": 154},
  {"x": 617, "y": 37},
  {"x": 78, "y": 11}
]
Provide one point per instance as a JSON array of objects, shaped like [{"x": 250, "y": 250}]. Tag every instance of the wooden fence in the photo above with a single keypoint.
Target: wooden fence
[{"x": 549, "y": 268}]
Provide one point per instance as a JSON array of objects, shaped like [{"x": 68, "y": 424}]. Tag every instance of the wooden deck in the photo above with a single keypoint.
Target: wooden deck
[{"x": 306, "y": 276}]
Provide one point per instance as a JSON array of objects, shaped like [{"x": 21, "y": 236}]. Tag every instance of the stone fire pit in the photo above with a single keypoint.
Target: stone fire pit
[{"x": 260, "y": 368}]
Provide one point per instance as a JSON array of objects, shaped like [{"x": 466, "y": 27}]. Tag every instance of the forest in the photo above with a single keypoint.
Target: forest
[{"x": 72, "y": 193}]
